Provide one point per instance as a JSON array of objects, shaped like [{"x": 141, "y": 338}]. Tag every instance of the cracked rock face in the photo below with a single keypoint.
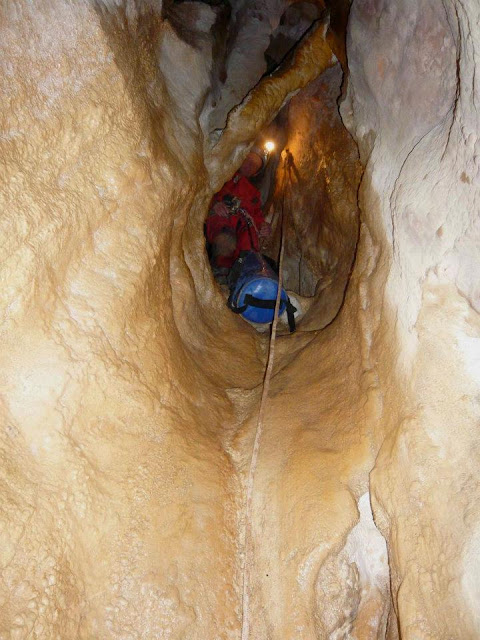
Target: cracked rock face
[
  {"x": 412, "y": 109},
  {"x": 129, "y": 393}
]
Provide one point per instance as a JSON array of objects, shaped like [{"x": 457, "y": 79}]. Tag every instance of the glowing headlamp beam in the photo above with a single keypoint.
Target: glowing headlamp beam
[{"x": 269, "y": 146}]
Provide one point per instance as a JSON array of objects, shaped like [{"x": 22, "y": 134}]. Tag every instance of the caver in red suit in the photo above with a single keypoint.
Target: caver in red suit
[{"x": 236, "y": 210}]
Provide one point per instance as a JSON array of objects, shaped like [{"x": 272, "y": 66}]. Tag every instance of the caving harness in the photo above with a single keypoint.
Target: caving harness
[
  {"x": 252, "y": 281},
  {"x": 245, "y": 220}
]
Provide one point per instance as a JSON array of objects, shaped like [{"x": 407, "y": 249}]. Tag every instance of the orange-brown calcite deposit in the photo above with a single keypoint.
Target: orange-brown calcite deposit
[{"x": 317, "y": 194}]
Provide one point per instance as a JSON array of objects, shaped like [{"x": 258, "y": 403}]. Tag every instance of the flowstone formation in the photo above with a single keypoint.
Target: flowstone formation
[{"x": 129, "y": 392}]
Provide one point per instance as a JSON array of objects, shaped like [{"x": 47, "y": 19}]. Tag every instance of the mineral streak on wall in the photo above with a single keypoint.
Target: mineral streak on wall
[{"x": 128, "y": 392}]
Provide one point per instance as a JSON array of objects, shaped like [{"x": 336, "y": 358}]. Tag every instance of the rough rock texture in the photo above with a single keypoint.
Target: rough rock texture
[
  {"x": 313, "y": 470},
  {"x": 120, "y": 365},
  {"x": 129, "y": 392},
  {"x": 413, "y": 108},
  {"x": 250, "y": 30},
  {"x": 318, "y": 197},
  {"x": 297, "y": 18},
  {"x": 111, "y": 469}
]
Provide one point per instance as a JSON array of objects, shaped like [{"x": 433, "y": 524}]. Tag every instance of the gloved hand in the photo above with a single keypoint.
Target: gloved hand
[
  {"x": 265, "y": 230},
  {"x": 221, "y": 209}
]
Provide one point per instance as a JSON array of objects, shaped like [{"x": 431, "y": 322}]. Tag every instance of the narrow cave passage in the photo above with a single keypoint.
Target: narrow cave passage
[
  {"x": 319, "y": 195},
  {"x": 130, "y": 393},
  {"x": 320, "y": 203}
]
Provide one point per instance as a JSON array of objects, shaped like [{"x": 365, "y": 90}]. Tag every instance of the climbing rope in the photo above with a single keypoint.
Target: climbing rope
[{"x": 248, "y": 541}]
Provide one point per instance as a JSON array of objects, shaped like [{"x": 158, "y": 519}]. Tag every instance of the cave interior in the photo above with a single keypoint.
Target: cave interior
[{"x": 157, "y": 480}]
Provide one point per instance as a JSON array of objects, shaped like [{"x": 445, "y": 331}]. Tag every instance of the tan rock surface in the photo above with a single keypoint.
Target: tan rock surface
[
  {"x": 112, "y": 469},
  {"x": 420, "y": 196},
  {"x": 129, "y": 392}
]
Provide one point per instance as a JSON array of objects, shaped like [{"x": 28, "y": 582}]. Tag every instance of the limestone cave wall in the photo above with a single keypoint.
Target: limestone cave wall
[
  {"x": 419, "y": 198},
  {"x": 129, "y": 393},
  {"x": 112, "y": 468}
]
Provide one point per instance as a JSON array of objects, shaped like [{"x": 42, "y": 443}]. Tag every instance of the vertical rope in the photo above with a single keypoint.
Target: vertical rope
[{"x": 248, "y": 541}]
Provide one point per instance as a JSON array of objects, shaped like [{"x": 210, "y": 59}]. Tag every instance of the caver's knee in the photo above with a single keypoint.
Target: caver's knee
[{"x": 224, "y": 243}]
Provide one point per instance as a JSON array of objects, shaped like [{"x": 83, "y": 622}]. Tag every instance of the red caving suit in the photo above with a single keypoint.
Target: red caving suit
[{"x": 247, "y": 233}]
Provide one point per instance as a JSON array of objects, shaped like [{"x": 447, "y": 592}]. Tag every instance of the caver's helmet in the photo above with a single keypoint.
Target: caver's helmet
[
  {"x": 262, "y": 154},
  {"x": 253, "y": 163}
]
